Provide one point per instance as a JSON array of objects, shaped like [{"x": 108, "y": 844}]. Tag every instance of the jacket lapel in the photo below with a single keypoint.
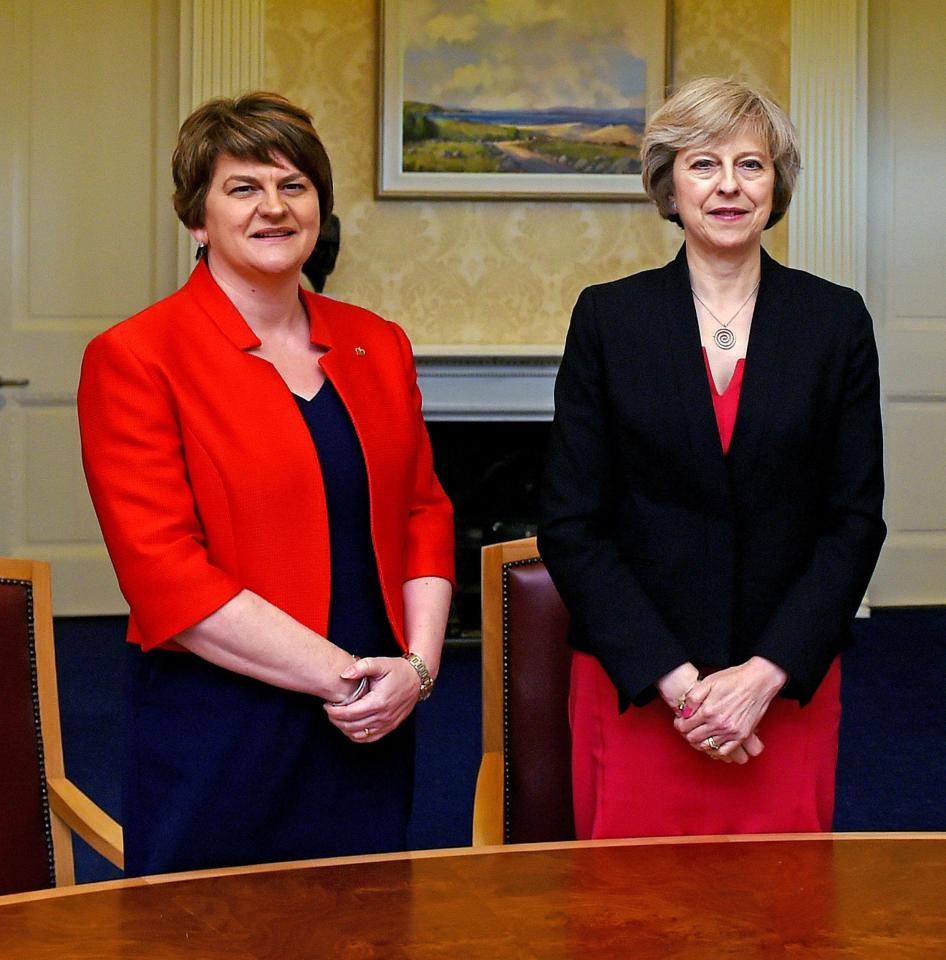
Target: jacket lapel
[
  {"x": 763, "y": 372},
  {"x": 344, "y": 364},
  {"x": 686, "y": 352}
]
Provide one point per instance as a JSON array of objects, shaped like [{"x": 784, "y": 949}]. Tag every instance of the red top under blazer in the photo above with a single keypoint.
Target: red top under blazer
[{"x": 204, "y": 475}]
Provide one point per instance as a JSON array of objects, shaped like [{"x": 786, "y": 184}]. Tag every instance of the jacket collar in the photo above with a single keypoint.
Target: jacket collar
[{"x": 218, "y": 306}]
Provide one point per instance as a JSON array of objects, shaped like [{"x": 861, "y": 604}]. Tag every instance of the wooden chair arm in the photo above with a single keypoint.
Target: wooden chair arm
[
  {"x": 488, "y": 802},
  {"x": 87, "y": 819}
]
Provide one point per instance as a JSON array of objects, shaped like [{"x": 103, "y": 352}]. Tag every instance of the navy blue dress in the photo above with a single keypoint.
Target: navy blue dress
[{"x": 223, "y": 770}]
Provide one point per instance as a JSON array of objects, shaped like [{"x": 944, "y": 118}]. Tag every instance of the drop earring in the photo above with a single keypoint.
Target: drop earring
[{"x": 201, "y": 251}]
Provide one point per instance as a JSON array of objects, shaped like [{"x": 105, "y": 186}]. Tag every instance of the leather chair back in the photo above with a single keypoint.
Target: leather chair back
[
  {"x": 537, "y": 741},
  {"x": 39, "y": 806},
  {"x": 523, "y": 790},
  {"x": 27, "y": 860}
]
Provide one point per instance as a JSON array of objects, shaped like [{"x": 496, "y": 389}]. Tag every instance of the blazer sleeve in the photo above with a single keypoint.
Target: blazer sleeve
[
  {"x": 429, "y": 547},
  {"x": 612, "y": 616},
  {"x": 802, "y": 636},
  {"x": 133, "y": 455}
]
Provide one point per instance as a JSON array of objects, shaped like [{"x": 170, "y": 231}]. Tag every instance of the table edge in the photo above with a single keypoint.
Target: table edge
[{"x": 159, "y": 879}]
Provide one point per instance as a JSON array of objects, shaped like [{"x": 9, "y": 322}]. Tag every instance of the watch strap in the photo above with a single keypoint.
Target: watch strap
[{"x": 426, "y": 680}]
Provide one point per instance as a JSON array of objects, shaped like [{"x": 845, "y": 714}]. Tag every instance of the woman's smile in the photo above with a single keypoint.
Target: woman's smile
[{"x": 728, "y": 213}]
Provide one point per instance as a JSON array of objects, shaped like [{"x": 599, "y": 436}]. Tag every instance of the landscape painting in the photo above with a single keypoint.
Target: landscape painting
[{"x": 502, "y": 98}]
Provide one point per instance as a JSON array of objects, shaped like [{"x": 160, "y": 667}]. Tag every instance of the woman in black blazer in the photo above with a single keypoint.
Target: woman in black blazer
[{"x": 711, "y": 511}]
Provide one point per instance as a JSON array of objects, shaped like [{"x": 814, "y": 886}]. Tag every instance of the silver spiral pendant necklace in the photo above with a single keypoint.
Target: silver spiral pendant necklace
[{"x": 724, "y": 337}]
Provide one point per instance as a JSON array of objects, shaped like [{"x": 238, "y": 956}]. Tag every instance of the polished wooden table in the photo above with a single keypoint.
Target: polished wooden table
[{"x": 845, "y": 895}]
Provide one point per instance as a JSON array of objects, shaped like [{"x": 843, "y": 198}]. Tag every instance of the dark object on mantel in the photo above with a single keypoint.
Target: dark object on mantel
[
  {"x": 491, "y": 471},
  {"x": 321, "y": 261}
]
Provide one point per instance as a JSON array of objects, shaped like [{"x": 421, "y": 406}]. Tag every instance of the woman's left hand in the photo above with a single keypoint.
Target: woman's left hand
[
  {"x": 393, "y": 691},
  {"x": 731, "y": 704}
]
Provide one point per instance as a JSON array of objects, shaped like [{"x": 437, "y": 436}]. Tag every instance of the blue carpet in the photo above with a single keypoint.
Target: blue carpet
[
  {"x": 891, "y": 768},
  {"x": 892, "y": 756}
]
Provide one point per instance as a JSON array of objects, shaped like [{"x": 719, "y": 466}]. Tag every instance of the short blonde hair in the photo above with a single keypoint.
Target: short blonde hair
[
  {"x": 252, "y": 127},
  {"x": 709, "y": 110}
]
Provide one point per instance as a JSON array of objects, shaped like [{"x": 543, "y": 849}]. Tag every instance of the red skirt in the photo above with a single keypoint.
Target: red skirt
[{"x": 633, "y": 775}]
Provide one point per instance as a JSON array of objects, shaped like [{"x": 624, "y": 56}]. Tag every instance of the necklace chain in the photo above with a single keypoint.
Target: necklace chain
[{"x": 724, "y": 337}]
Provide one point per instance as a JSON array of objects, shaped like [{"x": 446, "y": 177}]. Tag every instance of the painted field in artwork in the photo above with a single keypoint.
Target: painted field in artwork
[
  {"x": 559, "y": 140},
  {"x": 521, "y": 87}
]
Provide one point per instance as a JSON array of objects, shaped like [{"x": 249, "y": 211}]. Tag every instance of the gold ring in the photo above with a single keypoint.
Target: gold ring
[
  {"x": 711, "y": 743},
  {"x": 367, "y": 731},
  {"x": 682, "y": 700}
]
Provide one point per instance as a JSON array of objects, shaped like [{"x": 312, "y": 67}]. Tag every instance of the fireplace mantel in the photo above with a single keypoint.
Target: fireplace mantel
[{"x": 487, "y": 383}]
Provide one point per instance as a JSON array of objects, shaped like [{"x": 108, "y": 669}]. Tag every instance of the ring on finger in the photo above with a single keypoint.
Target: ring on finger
[
  {"x": 712, "y": 743},
  {"x": 367, "y": 731},
  {"x": 682, "y": 699}
]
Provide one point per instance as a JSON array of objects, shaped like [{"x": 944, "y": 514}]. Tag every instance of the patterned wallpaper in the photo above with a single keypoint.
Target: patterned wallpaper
[{"x": 477, "y": 273}]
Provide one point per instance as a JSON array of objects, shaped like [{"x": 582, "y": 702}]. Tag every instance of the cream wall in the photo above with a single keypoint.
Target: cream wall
[{"x": 488, "y": 272}]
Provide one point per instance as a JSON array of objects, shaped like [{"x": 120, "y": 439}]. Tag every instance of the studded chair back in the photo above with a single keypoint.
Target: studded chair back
[
  {"x": 39, "y": 807},
  {"x": 525, "y": 777},
  {"x": 27, "y": 856}
]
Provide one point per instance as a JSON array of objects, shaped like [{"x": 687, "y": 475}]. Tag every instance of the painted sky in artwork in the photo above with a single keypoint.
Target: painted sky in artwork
[{"x": 519, "y": 54}]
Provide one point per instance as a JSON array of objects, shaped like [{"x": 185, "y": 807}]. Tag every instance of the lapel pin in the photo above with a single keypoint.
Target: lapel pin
[{"x": 359, "y": 351}]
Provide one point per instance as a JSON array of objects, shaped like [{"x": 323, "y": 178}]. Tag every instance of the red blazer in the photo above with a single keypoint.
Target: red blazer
[{"x": 205, "y": 478}]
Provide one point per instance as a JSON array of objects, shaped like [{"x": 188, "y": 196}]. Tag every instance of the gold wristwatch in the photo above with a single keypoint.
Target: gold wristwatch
[{"x": 426, "y": 680}]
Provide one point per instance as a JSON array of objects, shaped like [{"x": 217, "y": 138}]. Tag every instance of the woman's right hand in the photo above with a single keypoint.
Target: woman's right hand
[
  {"x": 727, "y": 707},
  {"x": 675, "y": 688}
]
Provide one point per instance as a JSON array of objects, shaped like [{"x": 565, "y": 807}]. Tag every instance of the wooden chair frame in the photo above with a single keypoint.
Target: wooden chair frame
[{"x": 70, "y": 809}]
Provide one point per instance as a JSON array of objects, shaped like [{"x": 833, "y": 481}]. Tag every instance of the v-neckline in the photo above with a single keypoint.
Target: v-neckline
[
  {"x": 737, "y": 372},
  {"x": 314, "y": 396}
]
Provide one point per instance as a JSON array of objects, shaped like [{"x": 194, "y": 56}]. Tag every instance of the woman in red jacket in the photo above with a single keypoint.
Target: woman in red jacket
[{"x": 264, "y": 482}]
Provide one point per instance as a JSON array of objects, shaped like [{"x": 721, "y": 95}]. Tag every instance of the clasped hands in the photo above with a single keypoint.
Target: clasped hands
[
  {"x": 721, "y": 712},
  {"x": 392, "y": 692}
]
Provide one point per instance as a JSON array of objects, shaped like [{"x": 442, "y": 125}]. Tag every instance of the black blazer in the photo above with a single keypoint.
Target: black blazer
[{"x": 664, "y": 549}]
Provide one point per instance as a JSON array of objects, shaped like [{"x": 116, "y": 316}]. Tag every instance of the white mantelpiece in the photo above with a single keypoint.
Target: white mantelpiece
[{"x": 490, "y": 384}]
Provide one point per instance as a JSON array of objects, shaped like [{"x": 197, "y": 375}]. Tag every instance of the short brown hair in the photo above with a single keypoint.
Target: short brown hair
[
  {"x": 709, "y": 110},
  {"x": 253, "y": 126}
]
